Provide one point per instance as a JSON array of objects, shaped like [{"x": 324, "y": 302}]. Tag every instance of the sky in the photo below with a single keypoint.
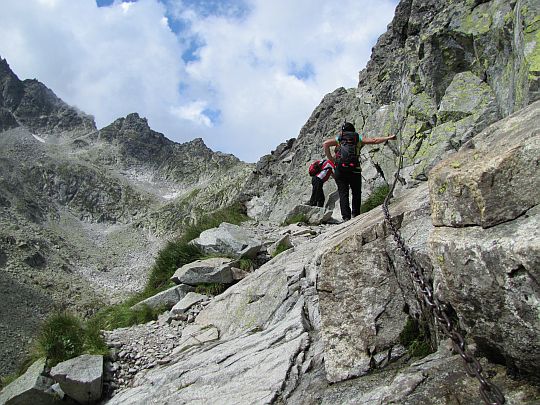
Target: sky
[{"x": 244, "y": 75}]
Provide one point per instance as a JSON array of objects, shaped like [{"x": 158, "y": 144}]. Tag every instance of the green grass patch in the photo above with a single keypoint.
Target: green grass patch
[
  {"x": 64, "y": 336},
  {"x": 6, "y": 380},
  {"x": 122, "y": 316},
  {"x": 211, "y": 289},
  {"x": 280, "y": 249},
  {"x": 415, "y": 338},
  {"x": 375, "y": 199},
  {"x": 246, "y": 263},
  {"x": 296, "y": 219}
]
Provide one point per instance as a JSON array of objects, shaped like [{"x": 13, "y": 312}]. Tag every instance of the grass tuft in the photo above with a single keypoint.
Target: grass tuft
[
  {"x": 375, "y": 199},
  {"x": 280, "y": 249},
  {"x": 211, "y": 289}
]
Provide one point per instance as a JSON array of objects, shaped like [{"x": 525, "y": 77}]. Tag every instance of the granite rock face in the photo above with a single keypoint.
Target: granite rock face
[
  {"x": 440, "y": 74},
  {"x": 494, "y": 178}
]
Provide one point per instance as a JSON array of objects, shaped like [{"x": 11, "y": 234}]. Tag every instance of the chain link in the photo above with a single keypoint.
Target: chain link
[{"x": 489, "y": 392}]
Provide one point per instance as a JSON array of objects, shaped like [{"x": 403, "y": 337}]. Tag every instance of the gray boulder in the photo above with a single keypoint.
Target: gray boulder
[
  {"x": 80, "y": 378},
  {"x": 358, "y": 275},
  {"x": 494, "y": 178},
  {"x": 229, "y": 239},
  {"x": 213, "y": 270},
  {"x": 167, "y": 298},
  {"x": 30, "y": 388}
]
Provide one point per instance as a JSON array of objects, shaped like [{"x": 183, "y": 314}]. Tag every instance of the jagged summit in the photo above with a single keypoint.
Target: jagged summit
[{"x": 31, "y": 104}]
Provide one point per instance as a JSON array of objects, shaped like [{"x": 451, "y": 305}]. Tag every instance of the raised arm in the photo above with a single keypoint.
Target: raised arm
[
  {"x": 326, "y": 147},
  {"x": 373, "y": 141}
]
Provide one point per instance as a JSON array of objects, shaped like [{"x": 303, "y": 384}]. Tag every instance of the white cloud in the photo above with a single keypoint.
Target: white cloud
[
  {"x": 193, "y": 112},
  {"x": 260, "y": 72}
]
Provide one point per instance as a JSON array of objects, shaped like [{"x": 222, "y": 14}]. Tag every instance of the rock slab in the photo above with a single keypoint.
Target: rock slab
[{"x": 81, "y": 377}]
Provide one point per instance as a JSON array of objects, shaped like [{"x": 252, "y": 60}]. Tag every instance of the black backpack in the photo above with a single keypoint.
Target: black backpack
[{"x": 347, "y": 153}]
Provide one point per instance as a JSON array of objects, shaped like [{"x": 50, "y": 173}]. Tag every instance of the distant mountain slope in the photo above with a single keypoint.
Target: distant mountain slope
[{"x": 83, "y": 211}]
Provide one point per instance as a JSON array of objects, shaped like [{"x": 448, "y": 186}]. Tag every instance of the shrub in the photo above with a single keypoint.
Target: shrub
[
  {"x": 62, "y": 337},
  {"x": 375, "y": 199}
]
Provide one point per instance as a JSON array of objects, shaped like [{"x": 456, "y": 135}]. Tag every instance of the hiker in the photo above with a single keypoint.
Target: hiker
[
  {"x": 320, "y": 170},
  {"x": 347, "y": 166}
]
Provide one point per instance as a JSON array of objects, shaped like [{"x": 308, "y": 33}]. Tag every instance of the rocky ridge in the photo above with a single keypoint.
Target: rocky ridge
[
  {"x": 441, "y": 73},
  {"x": 321, "y": 322}
]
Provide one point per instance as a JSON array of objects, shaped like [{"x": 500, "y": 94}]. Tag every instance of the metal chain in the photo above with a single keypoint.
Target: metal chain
[{"x": 490, "y": 393}]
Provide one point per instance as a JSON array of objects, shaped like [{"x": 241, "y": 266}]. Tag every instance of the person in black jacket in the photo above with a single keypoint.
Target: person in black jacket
[{"x": 347, "y": 170}]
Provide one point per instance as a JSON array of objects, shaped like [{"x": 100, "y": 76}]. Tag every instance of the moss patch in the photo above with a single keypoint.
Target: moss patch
[{"x": 415, "y": 338}]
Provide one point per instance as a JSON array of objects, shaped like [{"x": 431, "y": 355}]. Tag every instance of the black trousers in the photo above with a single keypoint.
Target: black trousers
[
  {"x": 317, "y": 193},
  {"x": 349, "y": 180}
]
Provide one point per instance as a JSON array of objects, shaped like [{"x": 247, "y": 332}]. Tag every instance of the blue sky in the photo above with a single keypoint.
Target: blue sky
[{"x": 244, "y": 75}]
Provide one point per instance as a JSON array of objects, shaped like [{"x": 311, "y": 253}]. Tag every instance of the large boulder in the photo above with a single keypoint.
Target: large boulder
[
  {"x": 30, "y": 388},
  {"x": 364, "y": 287},
  {"x": 229, "y": 239},
  {"x": 490, "y": 277},
  {"x": 213, "y": 270},
  {"x": 486, "y": 247},
  {"x": 81, "y": 377},
  {"x": 494, "y": 178}
]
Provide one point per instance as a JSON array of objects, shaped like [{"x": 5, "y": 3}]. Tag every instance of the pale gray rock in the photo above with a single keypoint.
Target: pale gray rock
[
  {"x": 227, "y": 239},
  {"x": 195, "y": 335},
  {"x": 30, "y": 388},
  {"x": 213, "y": 270},
  {"x": 167, "y": 298},
  {"x": 80, "y": 378},
  {"x": 357, "y": 275},
  {"x": 490, "y": 277},
  {"x": 494, "y": 178},
  {"x": 248, "y": 369},
  {"x": 187, "y": 302}
]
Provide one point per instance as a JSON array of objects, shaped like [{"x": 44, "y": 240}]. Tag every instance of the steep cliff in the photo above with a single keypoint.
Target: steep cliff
[{"x": 441, "y": 73}]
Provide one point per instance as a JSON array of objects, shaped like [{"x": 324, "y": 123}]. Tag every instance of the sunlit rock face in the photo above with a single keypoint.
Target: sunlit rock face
[{"x": 440, "y": 74}]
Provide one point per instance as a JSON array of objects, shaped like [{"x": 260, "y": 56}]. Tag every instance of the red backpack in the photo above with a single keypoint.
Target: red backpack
[{"x": 315, "y": 168}]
